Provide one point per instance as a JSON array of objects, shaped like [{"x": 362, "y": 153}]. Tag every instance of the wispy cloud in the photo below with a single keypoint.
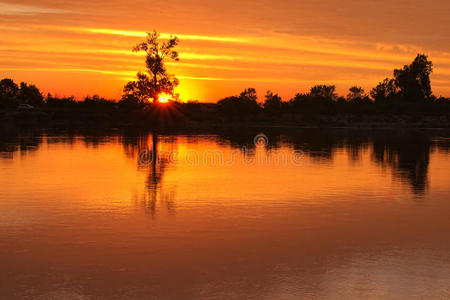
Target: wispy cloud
[
  {"x": 132, "y": 33},
  {"x": 129, "y": 75},
  {"x": 22, "y": 9},
  {"x": 163, "y": 35},
  {"x": 378, "y": 51}
]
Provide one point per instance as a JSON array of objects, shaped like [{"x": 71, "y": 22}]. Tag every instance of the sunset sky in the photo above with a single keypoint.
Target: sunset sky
[{"x": 84, "y": 47}]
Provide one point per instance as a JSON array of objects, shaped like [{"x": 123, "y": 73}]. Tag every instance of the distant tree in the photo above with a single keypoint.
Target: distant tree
[
  {"x": 249, "y": 94},
  {"x": 413, "y": 81},
  {"x": 244, "y": 105},
  {"x": 384, "y": 90},
  {"x": 9, "y": 92},
  {"x": 8, "y": 89},
  {"x": 94, "y": 98},
  {"x": 410, "y": 84},
  {"x": 30, "y": 94},
  {"x": 316, "y": 103},
  {"x": 325, "y": 91},
  {"x": 320, "y": 99},
  {"x": 358, "y": 99},
  {"x": 355, "y": 92},
  {"x": 272, "y": 103},
  {"x": 148, "y": 86},
  {"x": 61, "y": 102}
]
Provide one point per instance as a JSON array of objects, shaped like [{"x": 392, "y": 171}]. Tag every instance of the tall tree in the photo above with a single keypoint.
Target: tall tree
[
  {"x": 413, "y": 81},
  {"x": 156, "y": 80}
]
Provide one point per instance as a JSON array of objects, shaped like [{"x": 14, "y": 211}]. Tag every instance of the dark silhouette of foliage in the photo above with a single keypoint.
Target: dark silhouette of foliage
[
  {"x": 324, "y": 91},
  {"x": 306, "y": 103},
  {"x": 11, "y": 95},
  {"x": 341, "y": 101},
  {"x": 97, "y": 103},
  {"x": 30, "y": 94},
  {"x": 8, "y": 88},
  {"x": 244, "y": 105},
  {"x": 321, "y": 99},
  {"x": 413, "y": 81},
  {"x": 411, "y": 84},
  {"x": 358, "y": 100},
  {"x": 273, "y": 103},
  {"x": 9, "y": 91},
  {"x": 149, "y": 85},
  {"x": 355, "y": 92},
  {"x": 139, "y": 91},
  {"x": 404, "y": 99},
  {"x": 384, "y": 90},
  {"x": 249, "y": 94},
  {"x": 64, "y": 101}
]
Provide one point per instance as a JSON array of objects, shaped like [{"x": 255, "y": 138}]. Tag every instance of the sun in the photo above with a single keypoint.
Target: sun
[{"x": 164, "y": 98}]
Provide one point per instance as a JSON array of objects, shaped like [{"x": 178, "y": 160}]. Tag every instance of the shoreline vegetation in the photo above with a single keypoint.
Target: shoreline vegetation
[{"x": 149, "y": 102}]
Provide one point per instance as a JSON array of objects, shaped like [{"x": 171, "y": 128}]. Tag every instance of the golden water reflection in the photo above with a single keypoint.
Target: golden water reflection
[{"x": 312, "y": 214}]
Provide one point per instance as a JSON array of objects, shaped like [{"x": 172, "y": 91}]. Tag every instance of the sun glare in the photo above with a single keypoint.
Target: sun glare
[{"x": 164, "y": 98}]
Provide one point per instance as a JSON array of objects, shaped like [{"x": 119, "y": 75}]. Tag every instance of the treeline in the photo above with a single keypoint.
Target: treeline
[
  {"x": 11, "y": 95},
  {"x": 407, "y": 92}
]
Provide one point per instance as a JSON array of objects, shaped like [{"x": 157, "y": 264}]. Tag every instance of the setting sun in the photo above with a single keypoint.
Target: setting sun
[{"x": 164, "y": 98}]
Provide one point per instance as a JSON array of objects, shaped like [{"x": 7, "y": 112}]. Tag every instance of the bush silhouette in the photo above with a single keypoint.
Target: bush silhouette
[
  {"x": 30, "y": 94},
  {"x": 273, "y": 103},
  {"x": 244, "y": 105}
]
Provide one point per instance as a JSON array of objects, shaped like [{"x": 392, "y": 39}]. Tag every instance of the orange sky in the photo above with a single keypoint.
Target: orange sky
[{"x": 83, "y": 47}]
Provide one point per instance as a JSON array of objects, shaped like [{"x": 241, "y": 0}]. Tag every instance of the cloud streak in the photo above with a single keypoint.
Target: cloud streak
[
  {"x": 349, "y": 48},
  {"x": 24, "y": 10},
  {"x": 131, "y": 33}
]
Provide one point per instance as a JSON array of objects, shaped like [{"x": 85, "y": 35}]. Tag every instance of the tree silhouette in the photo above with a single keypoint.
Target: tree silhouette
[
  {"x": 384, "y": 90},
  {"x": 30, "y": 94},
  {"x": 355, "y": 92},
  {"x": 325, "y": 91},
  {"x": 8, "y": 89},
  {"x": 358, "y": 99},
  {"x": 249, "y": 94},
  {"x": 273, "y": 103},
  {"x": 148, "y": 86},
  {"x": 243, "y": 105},
  {"x": 413, "y": 81},
  {"x": 410, "y": 84},
  {"x": 321, "y": 98}
]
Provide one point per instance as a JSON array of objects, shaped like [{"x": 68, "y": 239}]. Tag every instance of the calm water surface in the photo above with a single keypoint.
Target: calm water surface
[{"x": 311, "y": 214}]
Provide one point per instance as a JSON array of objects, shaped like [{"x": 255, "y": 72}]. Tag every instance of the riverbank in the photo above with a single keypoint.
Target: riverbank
[{"x": 215, "y": 120}]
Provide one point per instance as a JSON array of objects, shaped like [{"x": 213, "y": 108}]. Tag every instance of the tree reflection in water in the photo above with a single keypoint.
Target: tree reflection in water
[
  {"x": 405, "y": 152},
  {"x": 145, "y": 149}
]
